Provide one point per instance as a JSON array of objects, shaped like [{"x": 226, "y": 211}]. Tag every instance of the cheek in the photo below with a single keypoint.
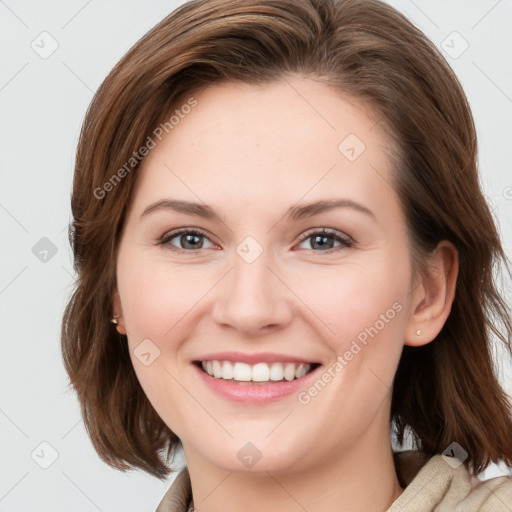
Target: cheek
[
  {"x": 366, "y": 309},
  {"x": 363, "y": 313},
  {"x": 156, "y": 297},
  {"x": 356, "y": 302},
  {"x": 155, "y": 300}
]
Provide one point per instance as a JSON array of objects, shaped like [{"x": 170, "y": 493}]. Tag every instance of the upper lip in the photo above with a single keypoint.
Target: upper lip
[{"x": 262, "y": 357}]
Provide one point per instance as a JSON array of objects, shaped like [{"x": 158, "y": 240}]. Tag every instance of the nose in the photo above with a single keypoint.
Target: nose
[{"x": 253, "y": 298}]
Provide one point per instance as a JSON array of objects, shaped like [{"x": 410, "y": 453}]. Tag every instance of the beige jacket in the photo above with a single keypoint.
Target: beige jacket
[{"x": 431, "y": 485}]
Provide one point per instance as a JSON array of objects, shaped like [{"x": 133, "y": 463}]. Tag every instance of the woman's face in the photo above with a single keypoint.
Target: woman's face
[{"x": 223, "y": 263}]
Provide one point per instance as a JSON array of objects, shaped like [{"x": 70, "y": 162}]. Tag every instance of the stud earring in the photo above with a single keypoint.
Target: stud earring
[
  {"x": 115, "y": 320},
  {"x": 418, "y": 333}
]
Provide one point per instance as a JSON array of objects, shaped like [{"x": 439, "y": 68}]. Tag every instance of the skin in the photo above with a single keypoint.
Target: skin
[{"x": 251, "y": 153}]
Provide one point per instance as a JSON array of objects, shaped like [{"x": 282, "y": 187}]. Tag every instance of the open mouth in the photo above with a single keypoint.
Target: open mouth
[{"x": 256, "y": 373}]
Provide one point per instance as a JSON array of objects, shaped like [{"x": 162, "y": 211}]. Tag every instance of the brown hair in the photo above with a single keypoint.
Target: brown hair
[{"x": 444, "y": 391}]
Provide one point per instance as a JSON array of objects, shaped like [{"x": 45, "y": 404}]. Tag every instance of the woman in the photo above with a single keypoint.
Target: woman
[{"x": 283, "y": 255}]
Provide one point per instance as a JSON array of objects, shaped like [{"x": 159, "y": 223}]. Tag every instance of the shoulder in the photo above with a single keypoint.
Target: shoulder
[{"x": 443, "y": 483}]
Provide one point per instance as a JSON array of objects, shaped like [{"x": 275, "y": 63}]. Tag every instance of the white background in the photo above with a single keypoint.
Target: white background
[{"x": 42, "y": 105}]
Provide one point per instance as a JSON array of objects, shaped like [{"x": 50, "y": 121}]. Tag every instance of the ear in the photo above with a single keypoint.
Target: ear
[
  {"x": 432, "y": 297},
  {"x": 118, "y": 312}
]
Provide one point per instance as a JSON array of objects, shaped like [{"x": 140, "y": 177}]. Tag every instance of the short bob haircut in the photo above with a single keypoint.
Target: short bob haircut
[{"x": 444, "y": 391}]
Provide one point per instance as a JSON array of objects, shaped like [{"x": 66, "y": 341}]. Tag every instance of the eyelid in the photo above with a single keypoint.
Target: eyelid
[{"x": 347, "y": 240}]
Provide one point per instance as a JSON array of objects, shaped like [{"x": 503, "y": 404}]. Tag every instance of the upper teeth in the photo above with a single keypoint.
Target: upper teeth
[{"x": 260, "y": 372}]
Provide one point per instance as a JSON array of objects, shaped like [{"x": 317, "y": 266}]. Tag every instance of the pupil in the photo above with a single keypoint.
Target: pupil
[
  {"x": 321, "y": 241},
  {"x": 190, "y": 241}
]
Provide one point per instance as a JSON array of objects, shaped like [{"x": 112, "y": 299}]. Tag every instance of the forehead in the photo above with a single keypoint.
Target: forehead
[{"x": 282, "y": 141}]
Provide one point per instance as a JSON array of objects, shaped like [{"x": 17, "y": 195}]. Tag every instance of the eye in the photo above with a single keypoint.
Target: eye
[
  {"x": 186, "y": 240},
  {"x": 325, "y": 240},
  {"x": 194, "y": 239}
]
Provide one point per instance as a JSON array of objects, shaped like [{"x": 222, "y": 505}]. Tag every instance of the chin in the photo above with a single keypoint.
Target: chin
[{"x": 258, "y": 456}]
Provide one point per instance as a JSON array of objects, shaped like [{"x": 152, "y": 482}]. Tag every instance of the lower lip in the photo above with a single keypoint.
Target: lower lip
[{"x": 254, "y": 393}]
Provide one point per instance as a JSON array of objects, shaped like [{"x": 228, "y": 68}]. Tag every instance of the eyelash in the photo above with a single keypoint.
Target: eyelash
[{"x": 345, "y": 241}]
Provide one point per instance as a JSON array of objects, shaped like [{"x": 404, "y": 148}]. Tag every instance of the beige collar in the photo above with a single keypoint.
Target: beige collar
[{"x": 430, "y": 484}]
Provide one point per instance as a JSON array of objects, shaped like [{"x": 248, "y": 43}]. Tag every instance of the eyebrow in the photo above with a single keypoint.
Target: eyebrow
[
  {"x": 295, "y": 212},
  {"x": 308, "y": 210}
]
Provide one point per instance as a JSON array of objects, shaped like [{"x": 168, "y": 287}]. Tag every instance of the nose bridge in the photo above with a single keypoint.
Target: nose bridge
[
  {"x": 251, "y": 279},
  {"x": 253, "y": 297}
]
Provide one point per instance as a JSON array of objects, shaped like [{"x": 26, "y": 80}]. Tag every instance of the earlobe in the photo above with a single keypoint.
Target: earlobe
[
  {"x": 117, "y": 316},
  {"x": 433, "y": 296}
]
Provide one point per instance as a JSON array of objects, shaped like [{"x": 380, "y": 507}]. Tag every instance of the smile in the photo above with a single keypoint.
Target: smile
[
  {"x": 255, "y": 378},
  {"x": 259, "y": 372}
]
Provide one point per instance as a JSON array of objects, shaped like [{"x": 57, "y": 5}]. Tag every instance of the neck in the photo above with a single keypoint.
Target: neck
[{"x": 361, "y": 479}]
